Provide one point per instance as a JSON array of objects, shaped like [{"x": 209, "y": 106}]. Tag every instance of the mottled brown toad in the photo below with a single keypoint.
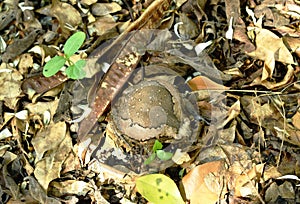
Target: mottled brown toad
[{"x": 153, "y": 109}]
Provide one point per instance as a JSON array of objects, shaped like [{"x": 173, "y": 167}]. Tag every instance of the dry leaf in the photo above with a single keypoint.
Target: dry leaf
[
  {"x": 71, "y": 18},
  {"x": 52, "y": 145},
  {"x": 204, "y": 83},
  {"x": 26, "y": 61},
  {"x": 7, "y": 17},
  {"x": 245, "y": 183},
  {"x": 19, "y": 46},
  {"x": 296, "y": 120},
  {"x": 71, "y": 187},
  {"x": 187, "y": 29},
  {"x": 102, "y": 9},
  {"x": 232, "y": 9},
  {"x": 38, "y": 193},
  {"x": 40, "y": 107},
  {"x": 270, "y": 48},
  {"x": 204, "y": 183},
  {"x": 103, "y": 25},
  {"x": 10, "y": 81},
  {"x": 275, "y": 85},
  {"x": 293, "y": 43},
  {"x": 233, "y": 112},
  {"x": 267, "y": 116},
  {"x": 88, "y": 2}
]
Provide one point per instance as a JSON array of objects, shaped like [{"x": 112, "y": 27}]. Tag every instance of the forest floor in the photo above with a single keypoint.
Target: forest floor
[{"x": 151, "y": 101}]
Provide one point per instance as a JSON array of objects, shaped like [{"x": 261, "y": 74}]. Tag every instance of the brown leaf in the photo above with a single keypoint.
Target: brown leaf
[
  {"x": 270, "y": 48},
  {"x": 272, "y": 18},
  {"x": 293, "y": 43},
  {"x": 232, "y": 10},
  {"x": 188, "y": 29},
  {"x": 26, "y": 61},
  {"x": 52, "y": 146},
  {"x": 10, "y": 81},
  {"x": 41, "y": 84},
  {"x": 71, "y": 187},
  {"x": 7, "y": 17},
  {"x": 204, "y": 183},
  {"x": 102, "y": 9},
  {"x": 39, "y": 108},
  {"x": 103, "y": 25},
  {"x": 243, "y": 186},
  {"x": 268, "y": 116},
  {"x": 239, "y": 33},
  {"x": 275, "y": 85},
  {"x": 233, "y": 112},
  {"x": 204, "y": 83},
  {"x": 296, "y": 120},
  {"x": 19, "y": 46},
  {"x": 38, "y": 193},
  {"x": 72, "y": 17}
]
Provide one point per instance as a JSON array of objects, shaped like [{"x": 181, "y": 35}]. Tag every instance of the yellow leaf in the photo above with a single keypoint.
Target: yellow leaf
[{"x": 158, "y": 188}]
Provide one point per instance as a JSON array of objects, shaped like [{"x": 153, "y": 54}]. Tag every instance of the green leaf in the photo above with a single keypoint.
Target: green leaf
[
  {"x": 157, "y": 145},
  {"x": 53, "y": 66},
  {"x": 159, "y": 189},
  {"x": 162, "y": 155},
  {"x": 150, "y": 159},
  {"x": 76, "y": 71},
  {"x": 74, "y": 43}
]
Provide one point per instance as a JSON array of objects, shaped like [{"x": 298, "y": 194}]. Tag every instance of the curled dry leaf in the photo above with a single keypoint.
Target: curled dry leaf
[
  {"x": 275, "y": 85},
  {"x": 270, "y": 48}
]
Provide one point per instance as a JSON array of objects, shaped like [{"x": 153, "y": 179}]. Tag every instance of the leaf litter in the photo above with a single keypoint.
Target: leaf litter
[{"x": 247, "y": 145}]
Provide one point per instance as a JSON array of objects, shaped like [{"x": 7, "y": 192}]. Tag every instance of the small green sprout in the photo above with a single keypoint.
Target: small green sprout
[
  {"x": 74, "y": 70},
  {"x": 157, "y": 151}
]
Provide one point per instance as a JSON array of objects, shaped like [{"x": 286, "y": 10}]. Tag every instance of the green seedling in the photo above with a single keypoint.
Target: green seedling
[
  {"x": 158, "y": 152},
  {"x": 74, "y": 70}
]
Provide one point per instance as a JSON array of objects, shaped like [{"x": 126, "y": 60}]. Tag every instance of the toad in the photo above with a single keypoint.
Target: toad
[{"x": 154, "y": 109}]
